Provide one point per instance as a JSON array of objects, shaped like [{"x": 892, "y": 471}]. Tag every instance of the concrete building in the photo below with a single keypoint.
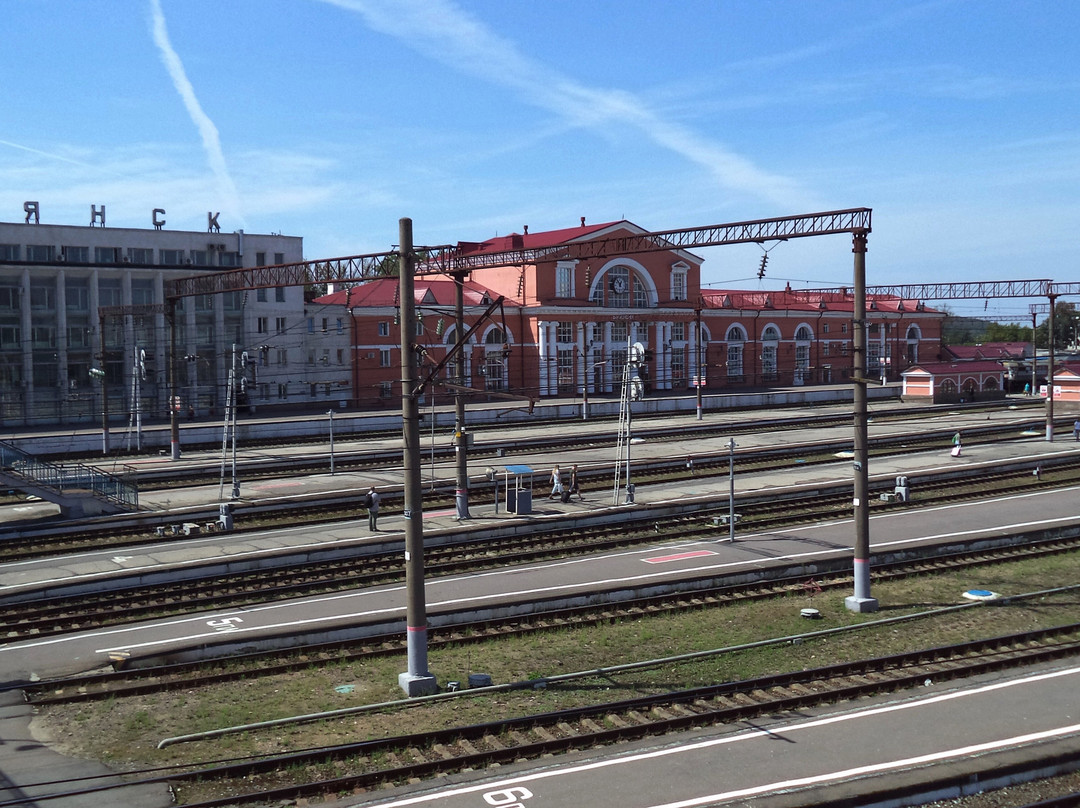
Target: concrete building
[
  {"x": 55, "y": 278},
  {"x": 565, "y": 325}
]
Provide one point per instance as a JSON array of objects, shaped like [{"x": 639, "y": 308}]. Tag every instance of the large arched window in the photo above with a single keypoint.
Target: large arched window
[
  {"x": 803, "y": 337},
  {"x": 494, "y": 360},
  {"x": 622, "y": 287},
  {"x": 735, "y": 337},
  {"x": 912, "y": 338},
  {"x": 457, "y": 369},
  {"x": 770, "y": 339}
]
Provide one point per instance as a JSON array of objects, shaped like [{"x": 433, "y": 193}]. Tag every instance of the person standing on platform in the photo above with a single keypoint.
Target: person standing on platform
[
  {"x": 1076, "y": 429},
  {"x": 574, "y": 484},
  {"x": 556, "y": 483},
  {"x": 371, "y": 501}
]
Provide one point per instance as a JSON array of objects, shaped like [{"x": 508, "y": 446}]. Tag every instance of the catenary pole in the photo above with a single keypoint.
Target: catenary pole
[
  {"x": 416, "y": 681},
  {"x": 461, "y": 446},
  {"x": 861, "y": 601}
]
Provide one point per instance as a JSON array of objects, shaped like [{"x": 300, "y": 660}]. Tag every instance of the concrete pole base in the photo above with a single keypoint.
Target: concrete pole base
[
  {"x": 861, "y": 605},
  {"x": 416, "y": 685}
]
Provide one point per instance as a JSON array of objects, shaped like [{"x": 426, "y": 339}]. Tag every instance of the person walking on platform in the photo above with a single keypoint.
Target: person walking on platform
[
  {"x": 556, "y": 483},
  {"x": 574, "y": 484},
  {"x": 956, "y": 448},
  {"x": 371, "y": 501}
]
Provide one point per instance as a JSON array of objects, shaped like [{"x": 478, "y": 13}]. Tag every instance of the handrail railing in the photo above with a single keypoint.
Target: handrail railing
[{"x": 62, "y": 477}]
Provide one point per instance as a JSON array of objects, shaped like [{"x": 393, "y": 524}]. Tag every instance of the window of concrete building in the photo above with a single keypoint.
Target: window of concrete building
[
  {"x": 230, "y": 301},
  {"x": 141, "y": 255},
  {"x": 385, "y": 389},
  {"x": 564, "y": 280},
  {"x": 262, "y": 325},
  {"x": 564, "y": 332},
  {"x": 43, "y": 336},
  {"x": 171, "y": 258},
  {"x": 228, "y": 259},
  {"x": 283, "y": 391},
  {"x": 78, "y": 337},
  {"x": 110, "y": 292},
  {"x": 10, "y": 337},
  {"x": 311, "y": 325},
  {"x": 46, "y": 374},
  {"x": 341, "y": 356},
  {"x": 200, "y": 258},
  {"x": 106, "y": 255},
  {"x": 10, "y": 294},
  {"x": 341, "y": 325},
  {"x": 260, "y": 295},
  {"x": 40, "y": 252},
  {"x": 279, "y": 325},
  {"x": 142, "y": 291},
  {"x": 279, "y": 294},
  {"x": 824, "y": 328},
  {"x": 77, "y": 294},
  {"x": 279, "y": 258},
  {"x": 43, "y": 295},
  {"x": 9, "y": 252},
  {"x": 204, "y": 303},
  {"x": 678, "y": 332},
  {"x": 76, "y": 255},
  {"x": 283, "y": 357},
  {"x": 384, "y": 329},
  {"x": 260, "y": 259},
  {"x": 620, "y": 331}
]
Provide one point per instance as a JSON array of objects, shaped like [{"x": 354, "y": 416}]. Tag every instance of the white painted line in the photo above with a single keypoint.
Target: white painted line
[{"x": 835, "y": 776}]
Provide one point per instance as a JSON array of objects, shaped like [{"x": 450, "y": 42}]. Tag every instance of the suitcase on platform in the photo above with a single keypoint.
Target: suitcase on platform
[{"x": 565, "y": 496}]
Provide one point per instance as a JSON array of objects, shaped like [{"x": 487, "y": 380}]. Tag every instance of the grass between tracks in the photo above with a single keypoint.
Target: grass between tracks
[{"x": 125, "y": 732}]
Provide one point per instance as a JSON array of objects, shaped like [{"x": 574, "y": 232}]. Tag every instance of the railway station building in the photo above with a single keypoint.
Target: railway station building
[
  {"x": 55, "y": 277},
  {"x": 565, "y": 326}
]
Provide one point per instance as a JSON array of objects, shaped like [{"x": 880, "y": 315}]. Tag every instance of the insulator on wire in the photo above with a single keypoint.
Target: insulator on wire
[{"x": 761, "y": 269}]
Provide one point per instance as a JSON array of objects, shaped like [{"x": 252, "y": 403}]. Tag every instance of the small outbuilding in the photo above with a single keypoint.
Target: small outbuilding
[{"x": 949, "y": 382}]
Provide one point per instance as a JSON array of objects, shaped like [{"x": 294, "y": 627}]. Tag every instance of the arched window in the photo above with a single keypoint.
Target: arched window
[
  {"x": 736, "y": 336},
  {"x": 912, "y": 338},
  {"x": 770, "y": 338},
  {"x": 621, "y": 287},
  {"x": 804, "y": 334},
  {"x": 495, "y": 358},
  {"x": 803, "y": 337}
]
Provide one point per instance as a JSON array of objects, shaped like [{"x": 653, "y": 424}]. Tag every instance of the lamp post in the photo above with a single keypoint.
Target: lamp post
[{"x": 99, "y": 374}]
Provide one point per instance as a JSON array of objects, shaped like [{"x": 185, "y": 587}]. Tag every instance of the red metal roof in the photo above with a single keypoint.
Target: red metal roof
[
  {"x": 534, "y": 241},
  {"x": 437, "y": 290}
]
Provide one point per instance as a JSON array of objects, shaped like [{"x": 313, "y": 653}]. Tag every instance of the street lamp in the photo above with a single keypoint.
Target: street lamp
[{"x": 99, "y": 375}]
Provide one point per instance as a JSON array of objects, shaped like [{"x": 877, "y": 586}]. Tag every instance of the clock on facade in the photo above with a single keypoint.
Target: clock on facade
[{"x": 618, "y": 285}]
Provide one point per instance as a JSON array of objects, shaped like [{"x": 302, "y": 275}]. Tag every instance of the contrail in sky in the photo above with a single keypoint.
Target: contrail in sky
[
  {"x": 209, "y": 133},
  {"x": 439, "y": 29}
]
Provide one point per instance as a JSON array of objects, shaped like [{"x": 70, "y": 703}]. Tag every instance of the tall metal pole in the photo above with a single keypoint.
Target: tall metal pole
[
  {"x": 331, "y": 414},
  {"x": 731, "y": 489},
  {"x": 104, "y": 391},
  {"x": 700, "y": 375},
  {"x": 861, "y": 601},
  {"x": 416, "y": 681},
  {"x": 174, "y": 402},
  {"x": 461, "y": 443},
  {"x": 1050, "y": 372}
]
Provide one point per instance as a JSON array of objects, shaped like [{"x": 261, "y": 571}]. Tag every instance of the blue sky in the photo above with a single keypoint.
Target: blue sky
[{"x": 957, "y": 121}]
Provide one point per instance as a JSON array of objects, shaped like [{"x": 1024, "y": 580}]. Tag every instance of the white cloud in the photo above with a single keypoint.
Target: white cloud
[
  {"x": 440, "y": 30},
  {"x": 207, "y": 130}
]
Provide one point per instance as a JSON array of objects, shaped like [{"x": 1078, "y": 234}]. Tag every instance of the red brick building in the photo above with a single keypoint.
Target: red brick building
[{"x": 566, "y": 324}]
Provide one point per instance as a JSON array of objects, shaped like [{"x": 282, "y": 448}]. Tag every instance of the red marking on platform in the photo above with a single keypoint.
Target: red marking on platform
[
  {"x": 428, "y": 515},
  {"x": 263, "y": 486},
  {"x": 679, "y": 556}
]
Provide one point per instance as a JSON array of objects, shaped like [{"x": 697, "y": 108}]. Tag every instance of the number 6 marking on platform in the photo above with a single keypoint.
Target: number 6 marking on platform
[{"x": 503, "y": 798}]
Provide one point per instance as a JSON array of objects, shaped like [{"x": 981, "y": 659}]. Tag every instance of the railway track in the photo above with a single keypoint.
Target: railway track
[
  {"x": 134, "y": 681},
  {"x": 362, "y": 766},
  {"x": 48, "y": 616},
  {"x": 129, "y": 531}
]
